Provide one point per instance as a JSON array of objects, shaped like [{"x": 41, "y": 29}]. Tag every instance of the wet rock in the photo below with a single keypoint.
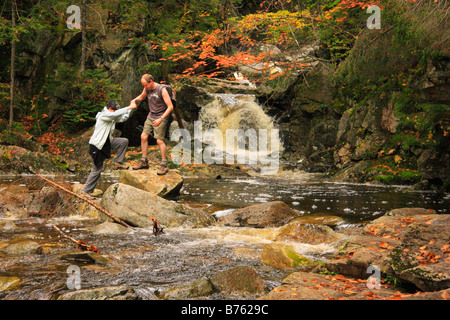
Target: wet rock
[
  {"x": 422, "y": 258},
  {"x": 7, "y": 225},
  {"x": 84, "y": 209},
  {"x": 198, "y": 288},
  {"x": 360, "y": 252},
  {"x": 313, "y": 286},
  {"x": 283, "y": 256},
  {"x": 410, "y": 244},
  {"x": 23, "y": 248},
  {"x": 270, "y": 214},
  {"x": 147, "y": 180},
  {"x": 320, "y": 219},
  {"x": 136, "y": 206},
  {"x": 9, "y": 283},
  {"x": 104, "y": 293},
  {"x": 108, "y": 228},
  {"x": 239, "y": 279},
  {"x": 307, "y": 233},
  {"x": 76, "y": 188},
  {"x": 85, "y": 257}
]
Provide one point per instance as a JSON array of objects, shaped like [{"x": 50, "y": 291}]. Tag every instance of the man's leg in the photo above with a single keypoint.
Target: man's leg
[
  {"x": 144, "y": 144},
  {"x": 143, "y": 164},
  {"x": 121, "y": 145},
  {"x": 162, "y": 149},
  {"x": 160, "y": 134},
  {"x": 92, "y": 180}
]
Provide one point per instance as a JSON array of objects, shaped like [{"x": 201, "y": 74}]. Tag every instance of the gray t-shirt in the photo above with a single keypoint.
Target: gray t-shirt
[{"x": 156, "y": 103}]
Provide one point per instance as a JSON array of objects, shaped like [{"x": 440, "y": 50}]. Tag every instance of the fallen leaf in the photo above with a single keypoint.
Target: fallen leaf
[
  {"x": 405, "y": 250},
  {"x": 383, "y": 245},
  {"x": 445, "y": 295},
  {"x": 349, "y": 292}
]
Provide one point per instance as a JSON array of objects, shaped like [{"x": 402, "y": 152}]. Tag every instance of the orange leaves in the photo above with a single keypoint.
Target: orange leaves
[
  {"x": 372, "y": 230},
  {"x": 83, "y": 246}
]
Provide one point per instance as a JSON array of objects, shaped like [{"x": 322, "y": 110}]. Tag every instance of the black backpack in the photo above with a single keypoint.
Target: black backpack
[{"x": 172, "y": 93}]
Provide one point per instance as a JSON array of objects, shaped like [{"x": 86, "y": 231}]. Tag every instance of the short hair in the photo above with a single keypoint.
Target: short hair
[
  {"x": 147, "y": 77},
  {"x": 113, "y": 105}
]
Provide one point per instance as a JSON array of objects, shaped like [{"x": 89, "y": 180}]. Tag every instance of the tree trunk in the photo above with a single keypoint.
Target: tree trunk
[
  {"x": 13, "y": 58},
  {"x": 83, "y": 37}
]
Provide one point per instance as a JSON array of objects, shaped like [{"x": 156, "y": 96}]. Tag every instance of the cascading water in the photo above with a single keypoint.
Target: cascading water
[{"x": 237, "y": 130}]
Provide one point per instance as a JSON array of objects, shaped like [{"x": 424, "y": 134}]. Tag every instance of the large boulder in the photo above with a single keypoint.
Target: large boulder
[
  {"x": 270, "y": 214},
  {"x": 201, "y": 287},
  {"x": 239, "y": 279},
  {"x": 283, "y": 256},
  {"x": 136, "y": 206},
  {"x": 164, "y": 186},
  {"x": 9, "y": 283},
  {"x": 410, "y": 244},
  {"x": 298, "y": 231},
  {"x": 21, "y": 248}
]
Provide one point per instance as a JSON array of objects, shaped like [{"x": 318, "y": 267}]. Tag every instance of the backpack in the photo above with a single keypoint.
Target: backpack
[{"x": 172, "y": 93}]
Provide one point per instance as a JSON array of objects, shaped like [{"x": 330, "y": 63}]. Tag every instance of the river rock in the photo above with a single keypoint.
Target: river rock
[
  {"x": 410, "y": 244},
  {"x": 85, "y": 257},
  {"x": 307, "y": 233},
  {"x": 283, "y": 256},
  {"x": 108, "y": 228},
  {"x": 313, "y": 286},
  {"x": 163, "y": 186},
  {"x": 105, "y": 293},
  {"x": 7, "y": 225},
  {"x": 198, "y": 288},
  {"x": 23, "y": 248},
  {"x": 9, "y": 283},
  {"x": 270, "y": 214},
  {"x": 76, "y": 188},
  {"x": 136, "y": 206},
  {"x": 239, "y": 279},
  {"x": 424, "y": 255}
]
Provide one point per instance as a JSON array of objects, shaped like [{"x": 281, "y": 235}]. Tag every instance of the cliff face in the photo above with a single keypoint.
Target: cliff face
[{"x": 369, "y": 121}]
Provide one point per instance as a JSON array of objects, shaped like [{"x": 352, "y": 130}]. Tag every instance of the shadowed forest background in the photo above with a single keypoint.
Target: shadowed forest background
[{"x": 359, "y": 104}]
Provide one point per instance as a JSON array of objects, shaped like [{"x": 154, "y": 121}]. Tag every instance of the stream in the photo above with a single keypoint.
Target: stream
[{"x": 152, "y": 264}]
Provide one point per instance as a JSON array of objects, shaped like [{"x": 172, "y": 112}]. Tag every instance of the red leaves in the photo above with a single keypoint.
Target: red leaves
[{"x": 83, "y": 246}]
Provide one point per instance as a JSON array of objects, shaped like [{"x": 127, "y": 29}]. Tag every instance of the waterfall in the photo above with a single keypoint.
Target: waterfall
[{"x": 236, "y": 129}]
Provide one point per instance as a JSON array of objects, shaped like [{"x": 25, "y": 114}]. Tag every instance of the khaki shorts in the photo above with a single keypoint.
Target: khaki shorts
[{"x": 158, "y": 132}]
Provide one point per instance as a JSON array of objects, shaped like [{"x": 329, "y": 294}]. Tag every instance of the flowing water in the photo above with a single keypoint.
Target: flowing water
[{"x": 151, "y": 265}]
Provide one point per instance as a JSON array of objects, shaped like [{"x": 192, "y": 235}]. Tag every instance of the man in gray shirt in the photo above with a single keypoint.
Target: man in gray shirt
[
  {"x": 102, "y": 142},
  {"x": 156, "y": 124}
]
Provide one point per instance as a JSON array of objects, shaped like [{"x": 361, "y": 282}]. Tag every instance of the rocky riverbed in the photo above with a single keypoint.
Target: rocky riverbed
[{"x": 266, "y": 251}]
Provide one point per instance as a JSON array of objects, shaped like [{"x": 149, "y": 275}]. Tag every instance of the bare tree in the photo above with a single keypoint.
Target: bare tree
[
  {"x": 83, "y": 37},
  {"x": 13, "y": 58}
]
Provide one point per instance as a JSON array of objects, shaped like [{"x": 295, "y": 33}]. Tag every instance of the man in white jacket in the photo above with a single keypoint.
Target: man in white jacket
[{"x": 102, "y": 142}]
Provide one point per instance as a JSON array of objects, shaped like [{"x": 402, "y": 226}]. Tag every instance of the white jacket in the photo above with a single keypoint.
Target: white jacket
[{"x": 105, "y": 125}]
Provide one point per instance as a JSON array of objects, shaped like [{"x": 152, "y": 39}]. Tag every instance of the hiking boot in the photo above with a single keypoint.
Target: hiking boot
[
  {"x": 86, "y": 195},
  {"x": 163, "y": 170},
  {"x": 118, "y": 166},
  {"x": 141, "y": 165}
]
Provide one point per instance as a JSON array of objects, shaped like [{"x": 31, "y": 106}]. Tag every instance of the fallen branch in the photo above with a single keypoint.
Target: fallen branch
[
  {"x": 81, "y": 245},
  {"x": 96, "y": 206}
]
